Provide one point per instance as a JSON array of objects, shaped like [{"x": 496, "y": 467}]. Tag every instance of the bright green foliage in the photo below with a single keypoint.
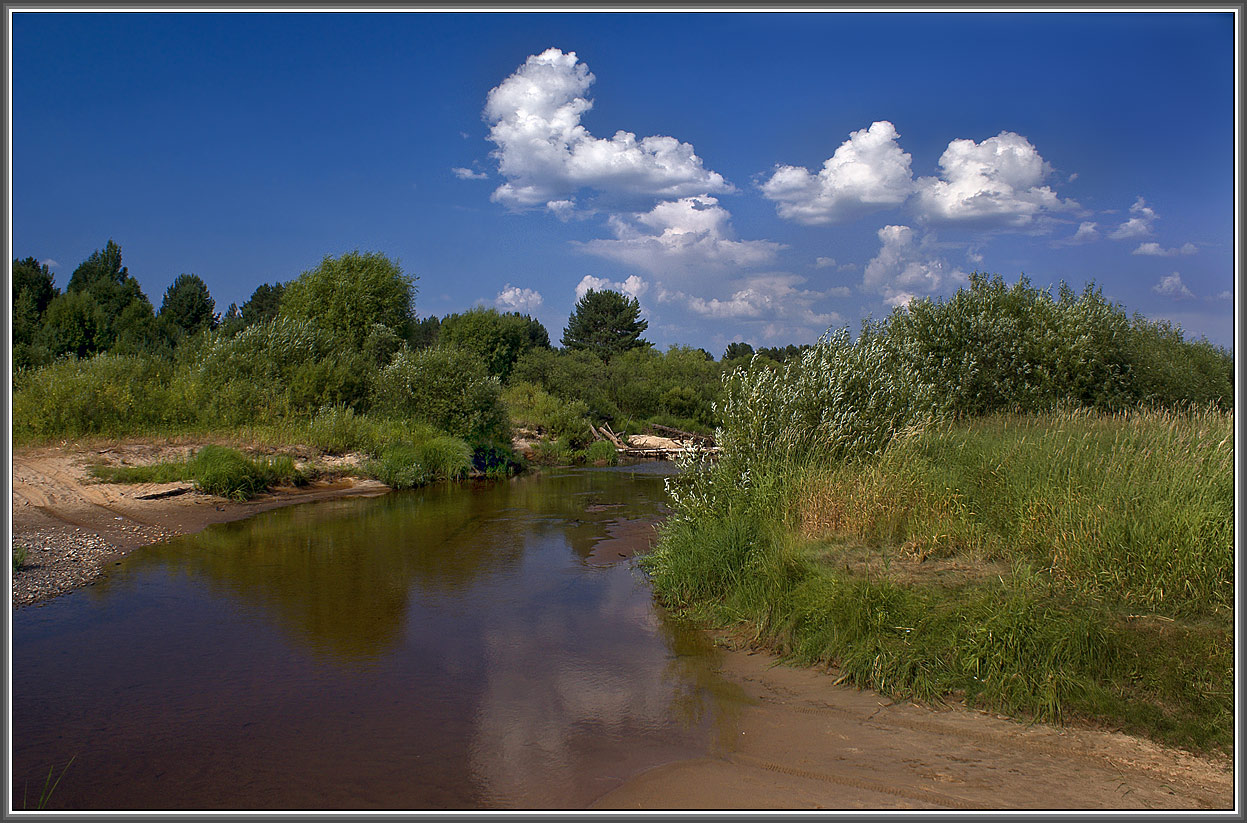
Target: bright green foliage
[
  {"x": 602, "y": 452},
  {"x": 840, "y": 400},
  {"x": 498, "y": 339},
  {"x": 1061, "y": 625},
  {"x": 277, "y": 369},
  {"x": 107, "y": 394},
  {"x": 229, "y": 473},
  {"x": 346, "y": 295},
  {"x": 447, "y": 388},
  {"x": 74, "y": 325},
  {"x": 533, "y": 408},
  {"x": 606, "y": 323},
  {"x": 188, "y": 307},
  {"x": 263, "y": 305},
  {"x": 992, "y": 348}
]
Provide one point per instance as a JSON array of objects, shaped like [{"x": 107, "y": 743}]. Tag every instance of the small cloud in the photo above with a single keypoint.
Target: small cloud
[
  {"x": 634, "y": 286},
  {"x": 1140, "y": 225},
  {"x": 1155, "y": 250},
  {"x": 1226, "y": 295},
  {"x": 50, "y": 263},
  {"x": 838, "y": 291},
  {"x": 1072, "y": 177},
  {"x": 824, "y": 262},
  {"x": 1086, "y": 233},
  {"x": 513, "y": 298},
  {"x": 468, "y": 174},
  {"x": 1172, "y": 286}
]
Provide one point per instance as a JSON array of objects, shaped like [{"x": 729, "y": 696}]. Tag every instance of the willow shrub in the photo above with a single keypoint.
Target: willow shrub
[
  {"x": 446, "y": 387},
  {"x": 110, "y": 395}
]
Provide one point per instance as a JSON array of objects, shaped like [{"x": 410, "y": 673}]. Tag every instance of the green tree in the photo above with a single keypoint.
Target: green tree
[
  {"x": 114, "y": 291},
  {"x": 188, "y": 307},
  {"x": 737, "y": 351},
  {"x": 605, "y": 323},
  {"x": 498, "y": 339},
  {"x": 348, "y": 294},
  {"x": 424, "y": 333},
  {"x": 73, "y": 326},
  {"x": 33, "y": 290},
  {"x": 263, "y": 305}
]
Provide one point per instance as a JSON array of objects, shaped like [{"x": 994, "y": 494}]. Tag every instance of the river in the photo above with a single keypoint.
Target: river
[{"x": 476, "y": 646}]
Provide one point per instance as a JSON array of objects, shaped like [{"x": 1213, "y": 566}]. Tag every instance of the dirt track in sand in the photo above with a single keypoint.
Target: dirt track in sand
[{"x": 793, "y": 740}]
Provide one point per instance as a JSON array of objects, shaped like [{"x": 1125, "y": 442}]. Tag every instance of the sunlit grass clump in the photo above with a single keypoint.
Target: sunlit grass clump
[{"x": 215, "y": 470}]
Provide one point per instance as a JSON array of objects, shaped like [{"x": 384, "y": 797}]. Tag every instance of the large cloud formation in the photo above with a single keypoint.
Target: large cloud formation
[
  {"x": 907, "y": 267},
  {"x": 547, "y": 156},
  {"x": 996, "y": 182},
  {"x": 867, "y": 173},
  {"x": 689, "y": 234}
]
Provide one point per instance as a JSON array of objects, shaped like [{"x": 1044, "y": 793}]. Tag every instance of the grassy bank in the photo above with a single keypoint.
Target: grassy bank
[{"x": 1054, "y": 566}]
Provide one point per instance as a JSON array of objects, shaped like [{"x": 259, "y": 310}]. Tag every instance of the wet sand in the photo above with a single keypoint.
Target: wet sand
[{"x": 796, "y": 740}]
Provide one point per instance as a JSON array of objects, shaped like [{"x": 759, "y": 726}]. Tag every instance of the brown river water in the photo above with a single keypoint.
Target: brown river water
[{"x": 483, "y": 646}]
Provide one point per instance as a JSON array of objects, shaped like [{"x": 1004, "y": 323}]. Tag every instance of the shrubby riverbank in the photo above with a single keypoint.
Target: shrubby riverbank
[{"x": 988, "y": 499}]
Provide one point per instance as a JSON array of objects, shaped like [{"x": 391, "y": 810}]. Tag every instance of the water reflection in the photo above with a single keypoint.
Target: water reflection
[{"x": 448, "y": 648}]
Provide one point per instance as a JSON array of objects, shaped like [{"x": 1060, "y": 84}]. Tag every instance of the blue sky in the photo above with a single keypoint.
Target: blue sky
[{"x": 748, "y": 176}]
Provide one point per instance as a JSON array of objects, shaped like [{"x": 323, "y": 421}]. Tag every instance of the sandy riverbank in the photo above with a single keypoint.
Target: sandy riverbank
[{"x": 73, "y": 527}]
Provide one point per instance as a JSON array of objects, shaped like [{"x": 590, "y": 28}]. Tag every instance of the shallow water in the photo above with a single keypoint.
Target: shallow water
[{"x": 466, "y": 647}]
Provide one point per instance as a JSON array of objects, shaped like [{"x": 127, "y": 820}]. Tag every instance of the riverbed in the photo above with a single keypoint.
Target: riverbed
[{"x": 489, "y": 646}]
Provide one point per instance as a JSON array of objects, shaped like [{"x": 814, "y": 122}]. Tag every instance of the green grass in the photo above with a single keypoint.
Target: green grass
[
  {"x": 214, "y": 469},
  {"x": 1060, "y": 567},
  {"x": 19, "y": 557}
]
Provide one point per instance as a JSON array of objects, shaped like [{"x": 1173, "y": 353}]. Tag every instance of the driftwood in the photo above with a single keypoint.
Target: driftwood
[
  {"x": 611, "y": 436},
  {"x": 683, "y": 435}
]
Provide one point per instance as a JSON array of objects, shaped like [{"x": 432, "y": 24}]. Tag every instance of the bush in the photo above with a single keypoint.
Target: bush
[
  {"x": 602, "y": 452},
  {"x": 106, "y": 395},
  {"x": 229, "y": 473},
  {"x": 447, "y": 388},
  {"x": 400, "y": 467}
]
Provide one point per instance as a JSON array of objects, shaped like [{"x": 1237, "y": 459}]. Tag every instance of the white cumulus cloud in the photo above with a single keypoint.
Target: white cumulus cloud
[
  {"x": 546, "y": 155},
  {"x": 689, "y": 234},
  {"x": 868, "y": 172},
  {"x": 50, "y": 263},
  {"x": 468, "y": 174},
  {"x": 513, "y": 298},
  {"x": 633, "y": 286},
  {"x": 997, "y": 182},
  {"x": 1139, "y": 224},
  {"x": 1172, "y": 286},
  {"x": 775, "y": 305},
  {"x": 907, "y": 267},
  {"x": 1087, "y": 233},
  {"x": 1155, "y": 250}
]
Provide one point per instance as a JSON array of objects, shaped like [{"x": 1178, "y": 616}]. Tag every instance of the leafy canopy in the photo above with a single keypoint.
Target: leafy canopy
[
  {"x": 348, "y": 294},
  {"x": 606, "y": 323},
  {"x": 188, "y": 306},
  {"x": 499, "y": 339}
]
